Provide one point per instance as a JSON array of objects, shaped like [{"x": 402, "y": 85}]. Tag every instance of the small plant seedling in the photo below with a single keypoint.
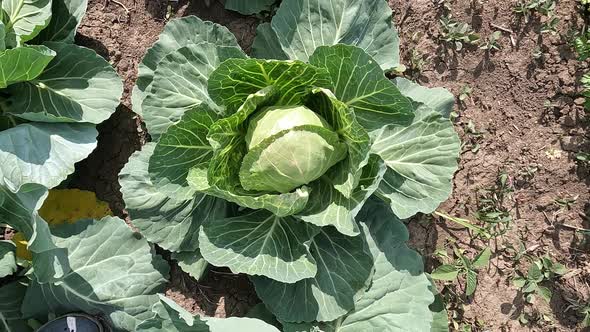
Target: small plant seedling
[
  {"x": 459, "y": 33},
  {"x": 583, "y": 157},
  {"x": 465, "y": 92},
  {"x": 581, "y": 44},
  {"x": 566, "y": 202},
  {"x": 526, "y": 9},
  {"x": 477, "y": 231},
  {"x": 585, "y": 81},
  {"x": 417, "y": 62},
  {"x": 585, "y": 311},
  {"x": 581, "y": 307},
  {"x": 464, "y": 266},
  {"x": 474, "y": 137},
  {"x": 541, "y": 270},
  {"x": 491, "y": 44},
  {"x": 537, "y": 53},
  {"x": 516, "y": 253},
  {"x": 491, "y": 210},
  {"x": 444, "y": 4},
  {"x": 550, "y": 26}
]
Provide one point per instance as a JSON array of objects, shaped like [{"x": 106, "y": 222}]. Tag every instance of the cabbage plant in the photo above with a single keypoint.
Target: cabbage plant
[
  {"x": 296, "y": 164},
  {"x": 52, "y": 95},
  {"x": 52, "y": 92}
]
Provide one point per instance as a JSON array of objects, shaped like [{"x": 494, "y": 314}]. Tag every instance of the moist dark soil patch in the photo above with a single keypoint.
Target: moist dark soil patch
[{"x": 535, "y": 145}]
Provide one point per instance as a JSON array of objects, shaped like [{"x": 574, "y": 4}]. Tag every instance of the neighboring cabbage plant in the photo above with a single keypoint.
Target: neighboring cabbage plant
[
  {"x": 296, "y": 165},
  {"x": 112, "y": 273},
  {"x": 52, "y": 92},
  {"x": 52, "y": 95}
]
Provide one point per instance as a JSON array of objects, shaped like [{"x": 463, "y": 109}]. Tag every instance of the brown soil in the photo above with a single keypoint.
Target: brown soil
[{"x": 510, "y": 88}]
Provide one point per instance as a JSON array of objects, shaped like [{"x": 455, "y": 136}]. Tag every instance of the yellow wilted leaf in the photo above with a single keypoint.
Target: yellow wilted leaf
[
  {"x": 21, "y": 246},
  {"x": 65, "y": 205},
  {"x": 71, "y": 205}
]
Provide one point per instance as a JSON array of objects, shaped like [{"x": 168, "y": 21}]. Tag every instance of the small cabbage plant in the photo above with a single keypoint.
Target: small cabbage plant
[{"x": 295, "y": 165}]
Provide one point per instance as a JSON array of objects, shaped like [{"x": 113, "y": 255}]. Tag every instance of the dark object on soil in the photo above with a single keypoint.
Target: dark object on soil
[{"x": 75, "y": 323}]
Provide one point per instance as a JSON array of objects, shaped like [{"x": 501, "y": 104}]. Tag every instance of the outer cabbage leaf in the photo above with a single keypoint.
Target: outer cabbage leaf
[
  {"x": 23, "y": 63},
  {"x": 65, "y": 19},
  {"x": 77, "y": 86},
  {"x": 345, "y": 176},
  {"x": 439, "y": 99},
  {"x": 281, "y": 205},
  {"x": 113, "y": 273},
  {"x": 359, "y": 82},
  {"x": 236, "y": 79},
  {"x": 227, "y": 137},
  {"x": 24, "y": 19},
  {"x": 11, "y": 318},
  {"x": 440, "y": 317},
  {"x": 191, "y": 262},
  {"x": 7, "y": 258},
  {"x": 422, "y": 159},
  {"x": 266, "y": 44},
  {"x": 260, "y": 243},
  {"x": 171, "y": 317},
  {"x": 2, "y": 36},
  {"x": 177, "y": 33},
  {"x": 171, "y": 223},
  {"x": 19, "y": 211},
  {"x": 180, "y": 83},
  {"x": 327, "y": 206},
  {"x": 239, "y": 324},
  {"x": 303, "y": 25},
  {"x": 344, "y": 269},
  {"x": 249, "y": 7},
  {"x": 182, "y": 147},
  {"x": 43, "y": 153},
  {"x": 399, "y": 295}
]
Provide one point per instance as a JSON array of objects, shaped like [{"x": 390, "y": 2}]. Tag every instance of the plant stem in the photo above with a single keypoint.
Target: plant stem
[{"x": 465, "y": 223}]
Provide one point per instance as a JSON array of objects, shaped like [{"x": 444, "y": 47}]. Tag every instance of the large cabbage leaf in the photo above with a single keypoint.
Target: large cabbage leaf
[
  {"x": 23, "y": 63},
  {"x": 20, "y": 211},
  {"x": 171, "y": 317},
  {"x": 66, "y": 16},
  {"x": 301, "y": 26},
  {"x": 11, "y": 317},
  {"x": 260, "y": 243},
  {"x": 88, "y": 91},
  {"x": 175, "y": 91},
  {"x": 43, "y": 153},
  {"x": 202, "y": 42},
  {"x": 344, "y": 270},
  {"x": 399, "y": 296},
  {"x": 359, "y": 82},
  {"x": 171, "y": 223},
  {"x": 113, "y": 273},
  {"x": 25, "y": 19},
  {"x": 422, "y": 159},
  {"x": 7, "y": 258}
]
